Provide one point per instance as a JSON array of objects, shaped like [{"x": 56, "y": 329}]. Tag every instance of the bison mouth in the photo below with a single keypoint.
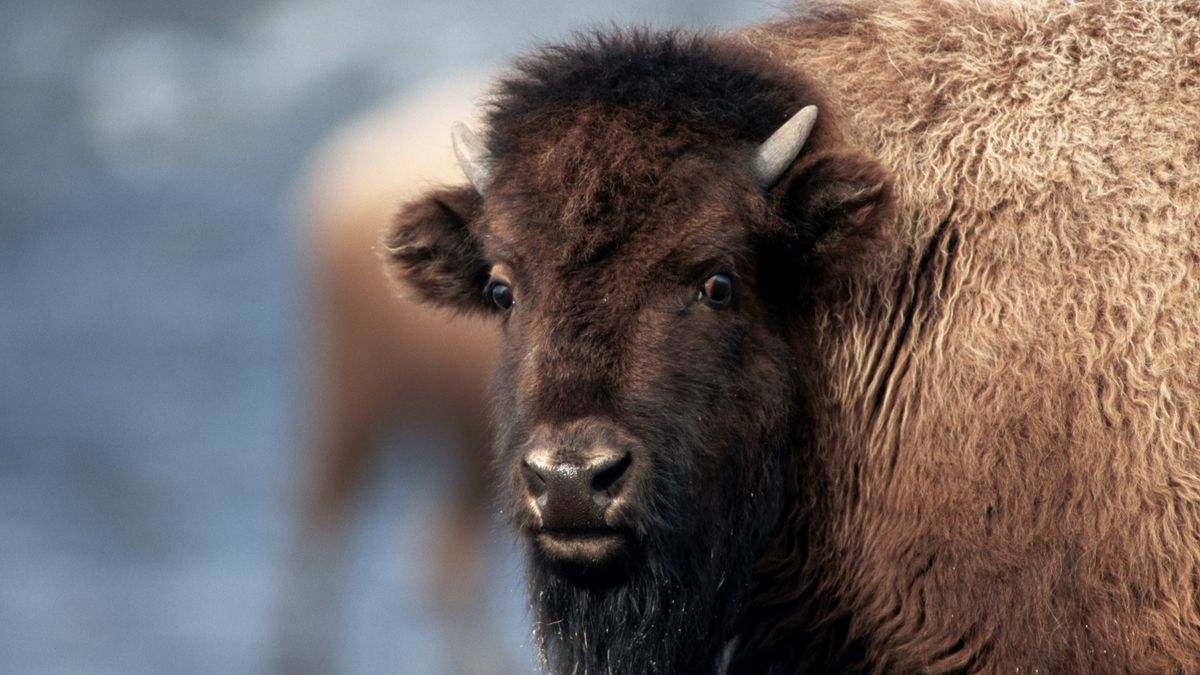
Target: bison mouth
[{"x": 585, "y": 554}]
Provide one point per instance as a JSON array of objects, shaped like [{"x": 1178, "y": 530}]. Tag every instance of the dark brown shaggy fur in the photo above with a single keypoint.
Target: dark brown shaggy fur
[{"x": 949, "y": 422}]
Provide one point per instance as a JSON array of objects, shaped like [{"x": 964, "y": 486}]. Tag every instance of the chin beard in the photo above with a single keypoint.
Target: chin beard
[
  {"x": 659, "y": 613},
  {"x": 673, "y": 602}
]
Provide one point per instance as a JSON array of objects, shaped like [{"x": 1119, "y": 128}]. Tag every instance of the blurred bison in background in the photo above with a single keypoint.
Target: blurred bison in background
[
  {"x": 916, "y": 391},
  {"x": 380, "y": 363}
]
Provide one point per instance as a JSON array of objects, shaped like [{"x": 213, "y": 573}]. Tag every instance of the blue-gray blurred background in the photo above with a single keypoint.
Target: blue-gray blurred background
[{"x": 153, "y": 324}]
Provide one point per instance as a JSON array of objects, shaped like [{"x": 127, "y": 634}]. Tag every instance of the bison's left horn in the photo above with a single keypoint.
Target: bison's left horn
[
  {"x": 472, "y": 156},
  {"x": 778, "y": 152}
]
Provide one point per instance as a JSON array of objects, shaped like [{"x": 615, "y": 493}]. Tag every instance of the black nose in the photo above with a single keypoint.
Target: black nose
[{"x": 571, "y": 495}]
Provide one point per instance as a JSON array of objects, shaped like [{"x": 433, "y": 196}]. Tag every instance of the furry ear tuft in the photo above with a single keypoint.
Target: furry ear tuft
[
  {"x": 431, "y": 250},
  {"x": 838, "y": 206}
]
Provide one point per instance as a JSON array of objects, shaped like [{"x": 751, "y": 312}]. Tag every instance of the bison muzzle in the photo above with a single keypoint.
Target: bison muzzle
[{"x": 578, "y": 489}]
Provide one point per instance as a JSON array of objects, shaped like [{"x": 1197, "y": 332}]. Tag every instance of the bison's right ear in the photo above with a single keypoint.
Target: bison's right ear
[{"x": 431, "y": 250}]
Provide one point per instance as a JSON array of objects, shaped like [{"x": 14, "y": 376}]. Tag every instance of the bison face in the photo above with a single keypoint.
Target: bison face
[
  {"x": 643, "y": 389},
  {"x": 649, "y": 285},
  {"x": 645, "y": 400}
]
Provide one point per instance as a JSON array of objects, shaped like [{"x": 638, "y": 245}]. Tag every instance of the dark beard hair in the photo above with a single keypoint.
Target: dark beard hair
[
  {"x": 670, "y": 610},
  {"x": 672, "y": 607},
  {"x": 664, "y": 617}
]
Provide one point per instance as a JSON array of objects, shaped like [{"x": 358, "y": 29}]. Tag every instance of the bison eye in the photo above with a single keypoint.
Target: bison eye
[
  {"x": 717, "y": 290},
  {"x": 501, "y": 294}
]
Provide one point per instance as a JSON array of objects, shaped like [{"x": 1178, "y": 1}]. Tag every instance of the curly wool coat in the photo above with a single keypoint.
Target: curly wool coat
[{"x": 1008, "y": 426}]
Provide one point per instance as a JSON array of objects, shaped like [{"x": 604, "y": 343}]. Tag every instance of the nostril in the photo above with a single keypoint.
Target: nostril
[
  {"x": 608, "y": 475},
  {"x": 535, "y": 479}
]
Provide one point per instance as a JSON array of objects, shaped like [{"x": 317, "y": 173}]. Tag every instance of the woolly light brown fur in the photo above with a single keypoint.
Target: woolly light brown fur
[{"x": 1012, "y": 476}]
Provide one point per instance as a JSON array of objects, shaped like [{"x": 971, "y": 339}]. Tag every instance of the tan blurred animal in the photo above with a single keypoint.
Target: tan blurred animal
[{"x": 382, "y": 362}]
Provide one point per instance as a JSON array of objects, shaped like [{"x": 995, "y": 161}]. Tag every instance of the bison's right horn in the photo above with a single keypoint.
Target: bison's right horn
[
  {"x": 473, "y": 157},
  {"x": 778, "y": 152}
]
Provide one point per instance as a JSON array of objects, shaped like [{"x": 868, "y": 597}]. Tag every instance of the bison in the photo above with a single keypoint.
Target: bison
[{"x": 865, "y": 340}]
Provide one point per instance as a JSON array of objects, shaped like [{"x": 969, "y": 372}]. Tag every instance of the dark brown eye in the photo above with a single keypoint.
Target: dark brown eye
[
  {"x": 501, "y": 294},
  {"x": 717, "y": 290}
]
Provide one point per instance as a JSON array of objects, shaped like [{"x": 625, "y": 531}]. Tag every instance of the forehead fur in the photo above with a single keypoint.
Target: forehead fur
[
  {"x": 595, "y": 139},
  {"x": 702, "y": 83}
]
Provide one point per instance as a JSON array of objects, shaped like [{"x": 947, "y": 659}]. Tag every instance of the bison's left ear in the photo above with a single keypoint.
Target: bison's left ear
[
  {"x": 837, "y": 205},
  {"x": 431, "y": 250}
]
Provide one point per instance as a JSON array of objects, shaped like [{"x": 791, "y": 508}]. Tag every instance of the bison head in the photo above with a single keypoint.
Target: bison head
[{"x": 648, "y": 263}]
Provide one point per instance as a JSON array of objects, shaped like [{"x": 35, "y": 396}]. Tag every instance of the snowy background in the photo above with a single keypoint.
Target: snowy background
[{"x": 152, "y": 322}]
